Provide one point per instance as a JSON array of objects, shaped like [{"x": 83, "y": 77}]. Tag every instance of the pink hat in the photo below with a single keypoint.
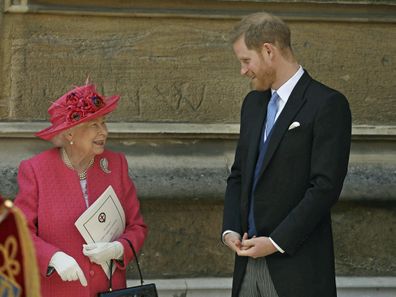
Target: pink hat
[{"x": 79, "y": 105}]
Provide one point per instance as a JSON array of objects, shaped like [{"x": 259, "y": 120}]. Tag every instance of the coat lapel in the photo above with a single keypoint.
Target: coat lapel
[
  {"x": 254, "y": 125},
  {"x": 256, "y": 129},
  {"x": 293, "y": 105}
]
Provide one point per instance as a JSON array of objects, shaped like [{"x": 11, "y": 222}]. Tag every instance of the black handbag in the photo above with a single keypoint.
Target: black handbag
[{"x": 148, "y": 290}]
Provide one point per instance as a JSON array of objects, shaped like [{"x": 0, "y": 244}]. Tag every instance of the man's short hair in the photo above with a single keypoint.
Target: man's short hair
[{"x": 259, "y": 28}]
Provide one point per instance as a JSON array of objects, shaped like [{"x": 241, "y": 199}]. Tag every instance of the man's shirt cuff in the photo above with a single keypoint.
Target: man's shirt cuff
[
  {"x": 227, "y": 232},
  {"x": 277, "y": 246},
  {"x": 237, "y": 234}
]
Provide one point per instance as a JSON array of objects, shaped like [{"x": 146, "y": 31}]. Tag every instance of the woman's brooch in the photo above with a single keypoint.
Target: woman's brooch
[{"x": 104, "y": 164}]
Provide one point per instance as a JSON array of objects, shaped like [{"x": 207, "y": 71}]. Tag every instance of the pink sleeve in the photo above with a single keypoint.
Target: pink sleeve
[
  {"x": 136, "y": 229},
  {"x": 27, "y": 200}
]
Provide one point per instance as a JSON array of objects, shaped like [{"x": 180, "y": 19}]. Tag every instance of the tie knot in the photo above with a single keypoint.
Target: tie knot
[{"x": 274, "y": 97}]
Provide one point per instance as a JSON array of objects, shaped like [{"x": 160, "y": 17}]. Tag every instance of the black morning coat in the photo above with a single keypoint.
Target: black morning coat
[{"x": 301, "y": 178}]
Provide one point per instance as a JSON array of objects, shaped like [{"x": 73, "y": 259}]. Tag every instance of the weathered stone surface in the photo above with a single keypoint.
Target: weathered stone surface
[
  {"x": 365, "y": 238},
  {"x": 184, "y": 239},
  {"x": 8, "y": 183},
  {"x": 165, "y": 70},
  {"x": 188, "y": 169},
  {"x": 4, "y": 102},
  {"x": 356, "y": 59},
  {"x": 180, "y": 69},
  {"x": 370, "y": 182}
]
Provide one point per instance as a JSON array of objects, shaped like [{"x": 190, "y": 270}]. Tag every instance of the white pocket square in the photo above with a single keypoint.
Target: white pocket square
[{"x": 294, "y": 125}]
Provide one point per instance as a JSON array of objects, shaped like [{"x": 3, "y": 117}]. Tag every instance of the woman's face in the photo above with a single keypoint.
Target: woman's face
[{"x": 89, "y": 138}]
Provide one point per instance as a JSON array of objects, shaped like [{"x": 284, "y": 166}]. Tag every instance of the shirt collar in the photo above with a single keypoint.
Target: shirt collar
[{"x": 285, "y": 90}]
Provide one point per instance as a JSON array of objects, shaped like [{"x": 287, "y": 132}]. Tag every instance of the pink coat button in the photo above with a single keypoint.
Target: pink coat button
[{"x": 91, "y": 273}]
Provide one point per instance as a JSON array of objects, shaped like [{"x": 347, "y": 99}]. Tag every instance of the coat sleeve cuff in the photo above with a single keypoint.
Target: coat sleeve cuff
[
  {"x": 277, "y": 246},
  {"x": 227, "y": 232}
]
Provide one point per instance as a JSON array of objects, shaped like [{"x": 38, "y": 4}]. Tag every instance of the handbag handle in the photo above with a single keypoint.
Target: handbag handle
[{"x": 137, "y": 264}]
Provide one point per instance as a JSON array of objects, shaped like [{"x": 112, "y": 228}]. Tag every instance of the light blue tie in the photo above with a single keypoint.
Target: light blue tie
[{"x": 272, "y": 109}]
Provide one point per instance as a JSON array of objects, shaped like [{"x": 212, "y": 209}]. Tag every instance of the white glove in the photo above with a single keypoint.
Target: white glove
[
  {"x": 102, "y": 252},
  {"x": 67, "y": 268}
]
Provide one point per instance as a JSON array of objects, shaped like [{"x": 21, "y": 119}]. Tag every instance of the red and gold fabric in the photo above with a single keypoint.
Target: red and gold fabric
[{"x": 18, "y": 267}]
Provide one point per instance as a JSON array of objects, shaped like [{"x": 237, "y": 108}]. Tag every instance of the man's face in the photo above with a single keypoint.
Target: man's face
[{"x": 255, "y": 65}]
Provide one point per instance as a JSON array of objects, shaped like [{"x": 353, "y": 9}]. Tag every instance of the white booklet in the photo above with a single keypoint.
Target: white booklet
[{"x": 103, "y": 221}]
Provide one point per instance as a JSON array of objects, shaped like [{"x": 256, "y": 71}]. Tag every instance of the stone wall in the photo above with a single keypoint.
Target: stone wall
[
  {"x": 179, "y": 67},
  {"x": 178, "y": 118}
]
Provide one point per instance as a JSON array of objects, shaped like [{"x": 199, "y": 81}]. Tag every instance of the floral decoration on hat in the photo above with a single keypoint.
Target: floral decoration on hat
[{"x": 77, "y": 106}]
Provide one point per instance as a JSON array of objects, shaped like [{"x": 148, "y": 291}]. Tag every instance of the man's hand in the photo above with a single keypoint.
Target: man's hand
[
  {"x": 256, "y": 247},
  {"x": 233, "y": 241}
]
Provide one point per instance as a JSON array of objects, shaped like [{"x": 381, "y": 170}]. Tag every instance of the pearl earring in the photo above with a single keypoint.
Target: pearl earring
[{"x": 71, "y": 142}]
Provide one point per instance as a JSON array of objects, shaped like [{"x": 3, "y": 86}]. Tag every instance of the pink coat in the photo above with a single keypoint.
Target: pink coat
[{"x": 51, "y": 198}]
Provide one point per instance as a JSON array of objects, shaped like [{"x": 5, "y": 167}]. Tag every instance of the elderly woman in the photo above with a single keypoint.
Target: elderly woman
[{"x": 58, "y": 185}]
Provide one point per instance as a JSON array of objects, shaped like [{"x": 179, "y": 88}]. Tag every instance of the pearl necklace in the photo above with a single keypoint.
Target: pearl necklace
[{"x": 82, "y": 175}]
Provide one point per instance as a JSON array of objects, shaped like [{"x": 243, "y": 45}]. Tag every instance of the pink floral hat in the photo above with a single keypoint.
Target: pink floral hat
[{"x": 79, "y": 105}]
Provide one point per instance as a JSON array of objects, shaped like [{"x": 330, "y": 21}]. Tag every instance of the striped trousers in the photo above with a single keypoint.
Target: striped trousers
[{"x": 257, "y": 281}]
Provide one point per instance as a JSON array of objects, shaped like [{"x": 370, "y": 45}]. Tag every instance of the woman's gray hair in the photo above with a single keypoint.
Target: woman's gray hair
[{"x": 60, "y": 140}]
